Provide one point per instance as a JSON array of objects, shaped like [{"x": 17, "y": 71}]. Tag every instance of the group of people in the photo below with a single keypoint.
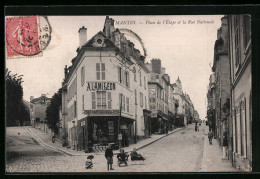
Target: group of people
[{"x": 122, "y": 157}]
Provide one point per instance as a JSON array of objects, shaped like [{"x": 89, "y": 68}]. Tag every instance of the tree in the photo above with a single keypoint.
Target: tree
[
  {"x": 52, "y": 111},
  {"x": 15, "y": 109}
]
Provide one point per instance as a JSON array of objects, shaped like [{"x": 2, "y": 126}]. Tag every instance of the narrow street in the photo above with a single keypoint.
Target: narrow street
[{"x": 179, "y": 152}]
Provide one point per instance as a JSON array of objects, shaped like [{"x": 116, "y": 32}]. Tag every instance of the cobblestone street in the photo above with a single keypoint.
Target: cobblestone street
[{"x": 179, "y": 152}]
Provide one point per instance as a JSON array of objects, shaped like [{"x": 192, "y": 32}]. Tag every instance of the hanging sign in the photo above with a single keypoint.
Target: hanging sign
[{"x": 119, "y": 136}]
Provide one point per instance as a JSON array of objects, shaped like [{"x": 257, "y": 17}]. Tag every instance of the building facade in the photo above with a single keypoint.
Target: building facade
[
  {"x": 105, "y": 92},
  {"x": 162, "y": 103},
  {"x": 221, "y": 70},
  {"x": 239, "y": 27}
]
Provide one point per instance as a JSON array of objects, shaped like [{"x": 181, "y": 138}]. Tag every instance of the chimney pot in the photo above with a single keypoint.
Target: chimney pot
[{"x": 82, "y": 36}]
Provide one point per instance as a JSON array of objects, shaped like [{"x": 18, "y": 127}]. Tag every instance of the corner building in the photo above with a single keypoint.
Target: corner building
[{"x": 105, "y": 92}]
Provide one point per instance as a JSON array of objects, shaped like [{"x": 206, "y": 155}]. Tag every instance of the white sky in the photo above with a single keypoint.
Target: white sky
[{"x": 186, "y": 50}]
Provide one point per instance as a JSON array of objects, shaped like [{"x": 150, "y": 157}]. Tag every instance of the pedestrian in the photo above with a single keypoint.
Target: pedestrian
[
  {"x": 210, "y": 136},
  {"x": 109, "y": 156},
  {"x": 122, "y": 157},
  {"x": 136, "y": 156},
  {"x": 166, "y": 129},
  {"x": 225, "y": 145},
  {"x": 198, "y": 129}
]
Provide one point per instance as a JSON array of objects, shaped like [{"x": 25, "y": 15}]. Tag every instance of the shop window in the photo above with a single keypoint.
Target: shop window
[
  {"x": 100, "y": 70},
  {"x": 82, "y": 76}
]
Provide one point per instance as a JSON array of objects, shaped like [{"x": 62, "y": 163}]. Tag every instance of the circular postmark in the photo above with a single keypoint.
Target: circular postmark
[{"x": 27, "y": 35}]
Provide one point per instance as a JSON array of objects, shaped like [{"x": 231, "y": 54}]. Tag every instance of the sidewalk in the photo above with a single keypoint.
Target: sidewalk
[
  {"x": 212, "y": 157},
  {"x": 45, "y": 139}
]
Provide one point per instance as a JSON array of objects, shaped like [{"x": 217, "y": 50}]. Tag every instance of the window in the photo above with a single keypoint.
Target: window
[
  {"x": 93, "y": 100},
  {"x": 123, "y": 77},
  {"x": 140, "y": 78},
  {"x": 144, "y": 83},
  {"x": 82, "y": 75},
  {"x": 135, "y": 77},
  {"x": 100, "y": 71},
  {"x": 75, "y": 108},
  {"x": 246, "y": 29},
  {"x": 119, "y": 70},
  {"x": 83, "y": 102},
  {"x": 109, "y": 100},
  {"x": 101, "y": 100},
  {"x": 127, "y": 104},
  {"x": 122, "y": 101},
  {"x": 127, "y": 83},
  {"x": 135, "y": 97},
  {"x": 145, "y": 100},
  {"x": 242, "y": 131},
  {"x": 237, "y": 39},
  {"x": 141, "y": 99}
]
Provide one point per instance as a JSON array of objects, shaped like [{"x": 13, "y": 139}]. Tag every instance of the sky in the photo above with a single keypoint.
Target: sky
[{"x": 185, "y": 49}]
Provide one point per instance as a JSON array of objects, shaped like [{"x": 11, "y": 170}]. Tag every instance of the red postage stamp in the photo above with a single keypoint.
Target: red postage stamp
[{"x": 25, "y": 36}]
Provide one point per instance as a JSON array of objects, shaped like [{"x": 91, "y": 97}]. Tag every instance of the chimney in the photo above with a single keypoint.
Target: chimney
[
  {"x": 82, "y": 36},
  {"x": 156, "y": 65},
  {"x": 162, "y": 70},
  {"x": 31, "y": 98},
  {"x": 65, "y": 71},
  {"x": 137, "y": 52},
  {"x": 109, "y": 27},
  {"x": 142, "y": 58}
]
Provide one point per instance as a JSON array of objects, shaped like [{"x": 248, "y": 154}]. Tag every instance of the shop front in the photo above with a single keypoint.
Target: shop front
[
  {"x": 108, "y": 129},
  {"x": 147, "y": 123}
]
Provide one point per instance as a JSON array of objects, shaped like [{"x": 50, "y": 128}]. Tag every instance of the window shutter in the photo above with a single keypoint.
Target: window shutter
[
  {"x": 98, "y": 71},
  {"x": 103, "y": 71},
  {"x": 109, "y": 100},
  {"x": 93, "y": 100}
]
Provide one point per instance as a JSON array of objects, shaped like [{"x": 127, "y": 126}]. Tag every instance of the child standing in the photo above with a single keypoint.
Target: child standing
[{"x": 109, "y": 156}]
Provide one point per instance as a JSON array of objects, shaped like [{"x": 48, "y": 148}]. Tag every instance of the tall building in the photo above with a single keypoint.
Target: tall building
[
  {"x": 239, "y": 27},
  {"x": 221, "y": 70},
  {"x": 162, "y": 103},
  {"x": 105, "y": 92}
]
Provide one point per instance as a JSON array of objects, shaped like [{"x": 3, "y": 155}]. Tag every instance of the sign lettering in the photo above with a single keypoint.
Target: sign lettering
[{"x": 100, "y": 86}]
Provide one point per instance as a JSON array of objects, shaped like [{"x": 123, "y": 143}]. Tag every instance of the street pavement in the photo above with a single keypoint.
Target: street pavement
[{"x": 182, "y": 151}]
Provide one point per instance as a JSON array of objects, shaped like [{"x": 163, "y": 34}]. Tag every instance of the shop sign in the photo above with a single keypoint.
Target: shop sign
[
  {"x": 102, "y": 112},
  {"x": 82, "y": 123},
  {"x": 119, "y": 136},
  {"x": 123, "y": 126},
  {"x": 101, "y": 86}
]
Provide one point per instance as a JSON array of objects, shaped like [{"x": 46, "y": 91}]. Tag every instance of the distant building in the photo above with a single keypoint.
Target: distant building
[
  {"x": 161, "y": 100},
  {"x": 38, "y": 108}
]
